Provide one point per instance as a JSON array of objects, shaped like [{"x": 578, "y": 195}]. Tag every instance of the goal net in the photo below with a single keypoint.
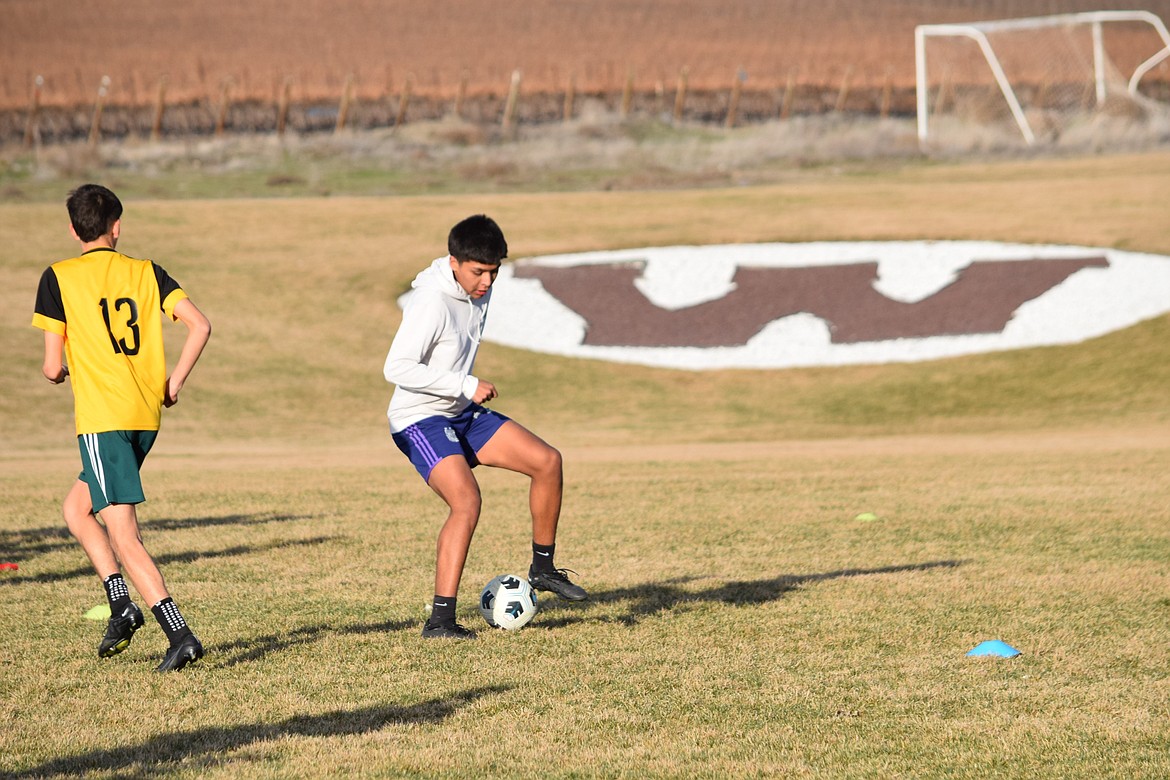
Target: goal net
[{"x": 1040, "y": 78}]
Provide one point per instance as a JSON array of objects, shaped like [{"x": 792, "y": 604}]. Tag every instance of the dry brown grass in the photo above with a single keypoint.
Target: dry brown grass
[
  {"x": 303, "y": 290},
  {"x": 743, "y": 623}
]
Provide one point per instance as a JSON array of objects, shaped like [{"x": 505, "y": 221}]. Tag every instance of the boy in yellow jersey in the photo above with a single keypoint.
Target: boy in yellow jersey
[{"x": 104, "y": 311}]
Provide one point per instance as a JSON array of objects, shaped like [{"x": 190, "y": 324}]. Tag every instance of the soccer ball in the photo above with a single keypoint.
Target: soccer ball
[{"x": 508, "y": 602}]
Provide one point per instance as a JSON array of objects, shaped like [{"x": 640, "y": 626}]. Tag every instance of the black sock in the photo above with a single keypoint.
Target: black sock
[
  {"x": 542, "y": 557},
  {"x": 442, "y": 610},
  {"x": 117, "y": 593},
  {"x": 171, "y": 620}
]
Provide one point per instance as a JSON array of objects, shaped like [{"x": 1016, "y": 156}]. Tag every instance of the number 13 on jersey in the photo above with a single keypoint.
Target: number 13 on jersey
[{"x": 125, "y": 313}]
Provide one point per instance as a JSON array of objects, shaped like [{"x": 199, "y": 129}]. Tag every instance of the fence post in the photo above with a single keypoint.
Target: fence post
[
  {"x": 789, "y": 96},
  {"x": 627, "y": 94},
  {"x": 513, "y": 98},
  {"x": 343, "y": 108},
  {"x": 30, "y": 125},
  {"x": 887, "y": 93},
  {"x": 95, "y": 127},
  {"x": 461, "y": 93},
  {"x": 130, "y": 83},
  {"x": 843, "y": 92},
  {"x": 404, "y": 101},
  {"x": 1042, "y": 92},
  {"x": 567, "y": 114},
  {"x": 160, "y": 102},
  {"x": 282, "y": 106},
  {"x": 733, "y": 104},
  {"x": 944, "y": 92},
  {"x": 221, "y": 117},
  {"x": 1087, "y": 96},
  {"x": 680, "y": 93}
]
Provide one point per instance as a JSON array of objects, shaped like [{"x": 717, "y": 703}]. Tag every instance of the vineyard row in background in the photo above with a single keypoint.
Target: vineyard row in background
[
  {"x": 114, "y": 116},
  {"x": 110, "y": 115}
]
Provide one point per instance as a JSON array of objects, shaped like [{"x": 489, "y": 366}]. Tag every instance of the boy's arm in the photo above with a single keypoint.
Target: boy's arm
[
  {"x": 53, "y": 368},
  {"x": 49, "y": 316},
  {"x": 198, "y": 332},
  {"x": 406, "y": 363}
]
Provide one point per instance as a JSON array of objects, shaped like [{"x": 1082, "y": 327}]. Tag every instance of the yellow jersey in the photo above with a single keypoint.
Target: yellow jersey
[{"x": 108, "y": 307}]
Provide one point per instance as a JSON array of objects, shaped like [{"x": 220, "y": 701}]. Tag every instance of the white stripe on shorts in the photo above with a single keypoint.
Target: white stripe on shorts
[{"x": 95, "y": 463}]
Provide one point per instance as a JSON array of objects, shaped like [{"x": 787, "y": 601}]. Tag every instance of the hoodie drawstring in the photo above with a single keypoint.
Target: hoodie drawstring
[{"x": 476, "y": 337}]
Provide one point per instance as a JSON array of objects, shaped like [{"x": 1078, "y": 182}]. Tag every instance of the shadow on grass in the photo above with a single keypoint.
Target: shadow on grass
[
  {"x": 20, "y": 546},
  {"x": 163, "y": 560},
  {"x": 647, "y": 599},
  {"x": 653, "y": 597},
  {"x": 179, "y": 523},
  {"x": 165, "y": 754},
  {"x": 254, "y": 649}
]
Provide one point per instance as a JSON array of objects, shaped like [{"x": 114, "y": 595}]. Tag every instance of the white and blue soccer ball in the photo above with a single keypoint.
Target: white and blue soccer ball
[{"x": 508, "y": 602}]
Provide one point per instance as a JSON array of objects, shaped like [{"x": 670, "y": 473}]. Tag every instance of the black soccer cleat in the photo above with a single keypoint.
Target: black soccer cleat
[
  {"x": 446, "y": 631},
  {"x": 120, "y": 630},
  {"x": 557, "y": 581},
  {"x": 187, "y": 650}
]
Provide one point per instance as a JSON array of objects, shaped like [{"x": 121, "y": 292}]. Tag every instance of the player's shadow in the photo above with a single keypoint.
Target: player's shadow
[
  {"x": 190, "y": 556},
  {"x": 655, "y": 597},
  {"x": 256, "y": 648},
  {"x": 259, "y": 518},
  {"x": 211, "y": 746},
  {"x": 18, "y": 546}
]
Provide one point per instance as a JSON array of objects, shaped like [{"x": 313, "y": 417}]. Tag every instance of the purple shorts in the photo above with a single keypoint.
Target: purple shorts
[{"x": 431, "y": 439}]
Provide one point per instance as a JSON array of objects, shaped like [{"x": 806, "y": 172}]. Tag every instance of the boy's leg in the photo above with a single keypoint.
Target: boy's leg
[
  {"x": 122, "y": 524},
  {"x": 515, "y": 448},
  {"x": 125, "y": 616},
  {"x": 453, "y": 481},
  {"x": 443, "y": 460},
  {"x": 86, "y": 529},
  {"x": 110, "y": 471}
]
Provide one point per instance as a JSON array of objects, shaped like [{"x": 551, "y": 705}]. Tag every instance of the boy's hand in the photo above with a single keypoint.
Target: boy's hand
[
  {"x": 171, "y": 396},
  {"x": 484, "y": 392}
]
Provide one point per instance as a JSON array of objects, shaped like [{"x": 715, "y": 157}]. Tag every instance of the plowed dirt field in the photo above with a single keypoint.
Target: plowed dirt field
[{"x": 256, "y": 47}]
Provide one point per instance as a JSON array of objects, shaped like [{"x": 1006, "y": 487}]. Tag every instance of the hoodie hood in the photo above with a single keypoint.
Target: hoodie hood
[{"x": 438, "y": 276}]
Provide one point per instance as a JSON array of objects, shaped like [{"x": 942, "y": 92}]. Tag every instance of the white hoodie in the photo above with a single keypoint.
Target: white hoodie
[{"x": 432, "y": 354}]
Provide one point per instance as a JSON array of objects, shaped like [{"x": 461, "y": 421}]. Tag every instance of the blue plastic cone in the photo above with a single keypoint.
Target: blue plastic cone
[{"x": 994, "y": 647}]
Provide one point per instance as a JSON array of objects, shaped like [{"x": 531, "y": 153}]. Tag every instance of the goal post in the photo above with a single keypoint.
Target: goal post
[{"x": 1016, "y": 59}]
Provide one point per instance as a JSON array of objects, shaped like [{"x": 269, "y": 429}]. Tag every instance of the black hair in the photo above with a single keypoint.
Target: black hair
[
  {"x": 477, "y": 238},
  {"x": 93, "y": 210}
]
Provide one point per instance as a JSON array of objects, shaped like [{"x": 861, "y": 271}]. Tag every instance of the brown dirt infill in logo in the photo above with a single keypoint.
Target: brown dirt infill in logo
[{"x": 982, "y": 300}]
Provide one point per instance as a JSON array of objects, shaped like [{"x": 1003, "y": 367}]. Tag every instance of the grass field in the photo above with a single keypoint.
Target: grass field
[{"x": 743, "y": 623}]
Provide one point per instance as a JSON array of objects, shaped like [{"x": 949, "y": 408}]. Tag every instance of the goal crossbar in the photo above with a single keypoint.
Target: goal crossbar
[{"x": 977, "y": 31}]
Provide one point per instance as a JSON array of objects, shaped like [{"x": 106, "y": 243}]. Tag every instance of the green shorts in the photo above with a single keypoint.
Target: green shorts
[{"x": 109, "y": 465}]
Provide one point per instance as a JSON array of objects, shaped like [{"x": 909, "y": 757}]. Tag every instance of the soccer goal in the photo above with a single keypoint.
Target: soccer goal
[{"x": 1041, "y": 74}]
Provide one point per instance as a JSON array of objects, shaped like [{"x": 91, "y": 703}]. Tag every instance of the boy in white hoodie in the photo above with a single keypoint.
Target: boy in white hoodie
[{"x": 437, "y": 420}]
